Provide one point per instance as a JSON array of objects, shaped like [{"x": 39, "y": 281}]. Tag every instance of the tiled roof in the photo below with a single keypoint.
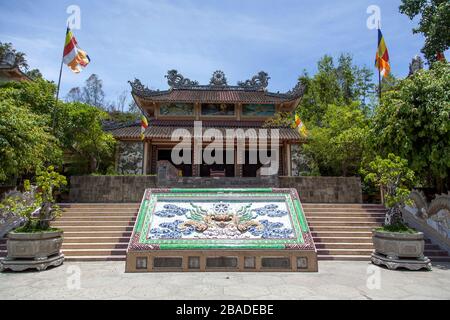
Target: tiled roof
[
  {"x": 165, "y": 131},
  {"x": 216, "y": 96}
]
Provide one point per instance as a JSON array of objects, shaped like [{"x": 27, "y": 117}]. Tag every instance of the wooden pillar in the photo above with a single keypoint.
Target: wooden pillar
[
  {"x": 146, "y": 157},
  {"x": 288, "y": 160}
]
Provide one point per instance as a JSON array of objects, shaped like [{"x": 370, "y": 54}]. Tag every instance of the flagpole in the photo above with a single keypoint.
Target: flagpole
[
  {"x": 379, "y": 71},
  {"x": 379, "y": 84},
  {"x": 59, "y": 80}
]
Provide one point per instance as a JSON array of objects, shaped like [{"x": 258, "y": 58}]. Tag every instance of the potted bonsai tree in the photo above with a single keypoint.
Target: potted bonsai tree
[
  {"x": 35, "y": 244},
  {"x": 396, "y": 245}
]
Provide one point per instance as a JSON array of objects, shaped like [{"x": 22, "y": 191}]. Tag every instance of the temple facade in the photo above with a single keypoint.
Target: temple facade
[{"x": 230, "y": 110}]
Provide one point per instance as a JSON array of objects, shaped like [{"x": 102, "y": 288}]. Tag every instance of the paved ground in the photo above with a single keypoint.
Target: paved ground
[{"x": 336, "y": 280}]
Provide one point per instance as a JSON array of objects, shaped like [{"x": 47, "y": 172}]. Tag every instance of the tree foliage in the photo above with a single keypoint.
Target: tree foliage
[
  {"x": 393, "y": 175},
  {"x": 337, "y": 146},
  {"x": 337, "y": 85},
  {"x": 434, "y": 24},
  {"x": 80, "y": 132},
  {"x": 26, "y": 142},
  {"x": 413, "y": 121}
]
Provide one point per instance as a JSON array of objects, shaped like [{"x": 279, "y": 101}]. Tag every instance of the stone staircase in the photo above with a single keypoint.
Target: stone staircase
[
  {"x": 344, "y": 231},
  {"x": 101, "y": 232},
  {"x": 97, "y": 232}
]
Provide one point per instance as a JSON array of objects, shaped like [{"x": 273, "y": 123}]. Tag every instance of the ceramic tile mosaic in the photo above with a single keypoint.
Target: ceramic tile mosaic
[{"x": 183, "y": 219}]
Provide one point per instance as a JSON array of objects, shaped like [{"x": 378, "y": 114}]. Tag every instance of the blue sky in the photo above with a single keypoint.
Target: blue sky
[{"x": 145, "y": 38}]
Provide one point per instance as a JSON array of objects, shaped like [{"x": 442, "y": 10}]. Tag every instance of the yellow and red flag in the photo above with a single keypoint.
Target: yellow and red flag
[
  {"x": 144, "y": 126},
  {"x": 382, "y": 58},
  {"x": 300, "y": 126},
  {"x": 74, "y": 57}
]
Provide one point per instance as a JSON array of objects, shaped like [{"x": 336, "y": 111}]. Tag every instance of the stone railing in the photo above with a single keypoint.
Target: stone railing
[
  {"x": 105, "y": 189},
  {"x": 432, "y": 218}
]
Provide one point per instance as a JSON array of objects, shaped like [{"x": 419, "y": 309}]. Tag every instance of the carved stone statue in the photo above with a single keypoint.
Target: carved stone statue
[
  {"x": 415, "y": 65},
  {"x": 218, "y": 79},
  {"x": 176, "y": 80},
  {"x": 258, "y": 82}
]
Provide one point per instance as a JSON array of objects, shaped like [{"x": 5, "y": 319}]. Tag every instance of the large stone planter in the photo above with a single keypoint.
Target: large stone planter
[
  {"x": 33, "y": 250},
  {"x": 400, "y": 250}
]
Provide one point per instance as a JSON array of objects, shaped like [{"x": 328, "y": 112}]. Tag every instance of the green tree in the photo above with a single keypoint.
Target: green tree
[
  {"x": 434, "y": 24},
  {"x": 395, "y": 179},
  {"x": 79, "y": 128},
  {"x": 337, "y": 85},
  {"x": 337, "y": 146},
  {"x": 413, "y": 122},
  {"x": 26, "y": 143},
  {"x": 19, "y": 57}
]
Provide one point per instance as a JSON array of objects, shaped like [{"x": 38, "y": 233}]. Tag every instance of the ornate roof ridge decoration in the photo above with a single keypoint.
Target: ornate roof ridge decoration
[
  {"x": 218, "y": 82},
  {"x": 298, "y": 90},
  {"x": 176, "y": 80},
  {"x": 218, "y": 79},
  {"x": 258, "y": 82},
  {"x": 139, "y": 88}
]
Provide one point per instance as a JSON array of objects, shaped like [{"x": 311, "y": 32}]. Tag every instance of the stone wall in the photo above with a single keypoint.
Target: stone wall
[
  {"x": 325, "y": 189},
  {"x": 104, "y": 189}
]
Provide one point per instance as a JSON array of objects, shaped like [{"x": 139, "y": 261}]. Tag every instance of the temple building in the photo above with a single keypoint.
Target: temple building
[
  {"x": 218, "y": 105},
  {"x": 9, "y": 71}
]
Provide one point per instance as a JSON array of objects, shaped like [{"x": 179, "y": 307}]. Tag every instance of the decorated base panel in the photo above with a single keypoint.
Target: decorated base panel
[{"x": 221, "y": 230}]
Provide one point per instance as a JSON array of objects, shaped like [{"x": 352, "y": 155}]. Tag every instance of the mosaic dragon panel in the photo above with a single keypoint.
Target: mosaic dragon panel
[{"x": 179, "y": 219}]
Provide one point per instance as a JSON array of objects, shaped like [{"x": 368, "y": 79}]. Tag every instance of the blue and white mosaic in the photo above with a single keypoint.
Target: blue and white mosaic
[{"x": 222, "y": 220}]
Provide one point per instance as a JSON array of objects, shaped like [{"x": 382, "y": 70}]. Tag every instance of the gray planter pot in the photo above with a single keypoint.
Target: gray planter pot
[
  {"x": 35, "y": 246},
  {"x": 399, "y": 245}
]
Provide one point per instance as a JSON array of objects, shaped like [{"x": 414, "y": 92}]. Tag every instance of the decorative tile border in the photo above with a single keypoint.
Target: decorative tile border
[{"x": 302, "y": 241}]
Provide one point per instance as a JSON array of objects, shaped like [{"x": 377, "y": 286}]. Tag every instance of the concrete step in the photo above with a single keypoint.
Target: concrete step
[
  {"x": 100, "y": 205},
  {"x": 94, "y": 252},
  {"x": 345, "y": 252},
  {"x": 63, "y": 224},
  {"x": 343, "y": 210},
  {"x": 339, "y": 223},
  {"x": 342, "y": 258},
  {"x": 101, "y": 211},
  {"x": 326, "y": 233},
  {"x": 313, "y": 219},
  {"x": 343, "y": 205},
  {"x": 97, "y": 214},
  {"x": 101, "y": 233},
  {"x": 435, "y": 253},
  {"x": 438, "y": 259},
  {"x": 95, "y": 258},
  {"x": 342, "y": 239},
  {"x": 315, "y": 228},
  {"x": 340, "y": 245},
  {"x": 344, "y": 214},
  {"x": 2, "y": 253},
  {"x": 95, "y": 239},
  {"x": 98, "y": 229},
  {"x": 93, "y": 245},
  {"x": 96, "y": 219}
]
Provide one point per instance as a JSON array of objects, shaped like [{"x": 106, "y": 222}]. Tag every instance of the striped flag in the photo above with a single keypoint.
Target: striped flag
[
  {"x": 74, "y": 57},
  {"x": 300, "y": 126},
  {"x": 382, "y": 58},
  {"x": 144, "y": 126}
]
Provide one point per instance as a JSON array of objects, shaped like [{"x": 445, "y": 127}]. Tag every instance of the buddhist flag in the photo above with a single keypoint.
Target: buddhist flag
[
  {"x": 382, "y": 58},
  {"x": 144, "y": 126},
  {"x": 300, "y": 126},
  {"x": 74, "y": 57}
]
